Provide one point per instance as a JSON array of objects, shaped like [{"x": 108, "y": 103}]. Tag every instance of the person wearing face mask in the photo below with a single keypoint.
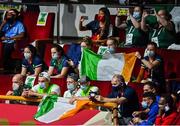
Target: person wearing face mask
[
  {"x": 44, "y": 87},
  {"x": 148, "y": 102},
  {"x": 167, "y": 111},
  {"x": 134, "y": 35},
  {"x": 17, "y": 87},
  {"x": 99, "y": 27},
  {"x": 72, "y": 85},
  {"x": 75, "y": 52},
  {"x": 123, "y": 95},
  {"x": 12, "y": 29},
  {"x": 83, "y": 93},
  {"x": 162, "y": 31},
  {"x": 31, "y": 63},
  {"x": 59, "y": 63},
  {"x": 152, "y": 67},
  {"x": 110, "y": 47}
]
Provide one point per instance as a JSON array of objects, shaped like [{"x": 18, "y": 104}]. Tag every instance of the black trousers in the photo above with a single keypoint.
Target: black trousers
[{"x": 8, "y": 48}]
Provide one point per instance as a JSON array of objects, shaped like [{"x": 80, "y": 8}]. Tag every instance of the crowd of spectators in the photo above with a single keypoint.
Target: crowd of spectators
[{"x": 155, "y": 108}]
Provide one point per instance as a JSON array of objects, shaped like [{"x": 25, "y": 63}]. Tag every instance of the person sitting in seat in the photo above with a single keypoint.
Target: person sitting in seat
[
  {"x": 59, "y": 63},
  {"x": 74, "y": 61},
  {"x": 32, "y": 63},
  {"x": 167, "y": 111},
  {"x": 72, "y": 85},
  {"x": 11, "y": 30},
  {"x": 124, "y": 96},
  {"x": 85, "y": 90},
  {"x": 18, "y": 87},
  {"x": 44, "y": 87},
  {"x": 149, "y": 102}
]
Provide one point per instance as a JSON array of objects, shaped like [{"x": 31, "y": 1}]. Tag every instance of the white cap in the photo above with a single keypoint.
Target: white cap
[{"x": 45, "y": 75}]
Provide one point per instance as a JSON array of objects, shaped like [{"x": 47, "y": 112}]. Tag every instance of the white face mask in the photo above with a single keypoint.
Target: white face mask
[
  {"x": 42, "y": 85},
  {"x": 27, "y": 55},
  {"x": 150, "y": 53},
  {"x": 55, "y": 56},
  {"x": 71, "y": 87},
  {"x": 166, "y": 108},
  {"x": 15, "y": 86}
]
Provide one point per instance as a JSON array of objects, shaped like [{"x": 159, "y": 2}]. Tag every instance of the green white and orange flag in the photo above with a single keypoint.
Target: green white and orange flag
[
  {"x": 103, "y": 67},
  {"x": 53, "y": 108}
]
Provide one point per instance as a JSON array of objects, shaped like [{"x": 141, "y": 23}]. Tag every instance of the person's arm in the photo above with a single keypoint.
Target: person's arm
[
  {"x": 37, "y": 70},
  {"x": 143, "y": 22},
  {"x": 32, "y": 93},
  {"x": 119, "y": 24},
  {"x": 114, "y": 100},
  {"x": 18, "y": 37},
  {"x": 75, "y": 68},
  {"x": 166, "y": 23},
  {"x": 2, "y": 24},
  {"x": 149, "y": 65},
  {"x": 63, "y": 73},
  {"x": 74, "y": 98},
  {"x": 81, "y": 27},
  {"x": 23, "y": 71},
  {"x": 138, "y": 113},
  {"x": 50, "y": 71}
]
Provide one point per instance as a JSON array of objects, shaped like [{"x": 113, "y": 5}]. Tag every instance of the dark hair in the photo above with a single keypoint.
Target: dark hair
[
  {"x": 140, "y": 6},
  {"x": 107, "y": 17},
  {"x": 150, "y": 95},
  {"x": 115, "y": 42},
  {"x": 32, "y": 49},
  {"x": 169, "y": 100},
  {"x": 151, "y": 84},
  {"x": 16, "y": 11},
  {"x": 152, "y": 43},
  {"x": 59, "y": 49},
  {"x": 87, "y": 40}
]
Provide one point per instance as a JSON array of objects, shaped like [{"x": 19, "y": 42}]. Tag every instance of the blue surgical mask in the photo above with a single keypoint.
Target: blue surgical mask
[
  {"x": 42, "y": 85},
  {"x": 136, "y": 15},
  {"x": 27, "y": 55},
  {"x": 55, "y": 56},
  {"x": 111, "y": 50},
  {"x": 71, "y": 87},
  {"x": 150, "y": 53},
  {"x": 84, "y": 87},
  {"x": 144, "y": 104}
]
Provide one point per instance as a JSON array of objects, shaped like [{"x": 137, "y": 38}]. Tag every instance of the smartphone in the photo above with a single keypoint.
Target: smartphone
[
  {"x": 150, "y": 11},
  {"x": 85, "y": 17}
]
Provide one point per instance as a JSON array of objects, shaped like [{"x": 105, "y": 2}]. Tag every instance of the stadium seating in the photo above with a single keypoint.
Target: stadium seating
[{"x": 35, "y": 33}]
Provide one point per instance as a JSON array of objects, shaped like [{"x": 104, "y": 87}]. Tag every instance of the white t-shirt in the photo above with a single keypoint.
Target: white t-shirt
[{"x": 55, "y": 88}]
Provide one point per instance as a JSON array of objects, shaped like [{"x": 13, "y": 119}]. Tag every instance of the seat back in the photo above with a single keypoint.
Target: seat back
[{"x": 34, "y": 32}]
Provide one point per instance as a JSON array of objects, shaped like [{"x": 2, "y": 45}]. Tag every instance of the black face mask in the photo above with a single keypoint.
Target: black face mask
[
  {"x": 116, "y": 88},
  {"x": 10, "y": 20}
]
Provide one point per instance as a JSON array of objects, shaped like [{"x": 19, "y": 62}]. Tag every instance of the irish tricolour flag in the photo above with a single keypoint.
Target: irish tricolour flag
[
  {"x": 53, "y": 108},
  {"x": 103, "y": 67}
]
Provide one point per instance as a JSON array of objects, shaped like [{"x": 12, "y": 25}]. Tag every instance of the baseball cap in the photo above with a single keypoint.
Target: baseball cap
[
  {"x": 45, "y": 75},
  {"x": 84, "y": 79},
  {"x": 73, "y": 76}
]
